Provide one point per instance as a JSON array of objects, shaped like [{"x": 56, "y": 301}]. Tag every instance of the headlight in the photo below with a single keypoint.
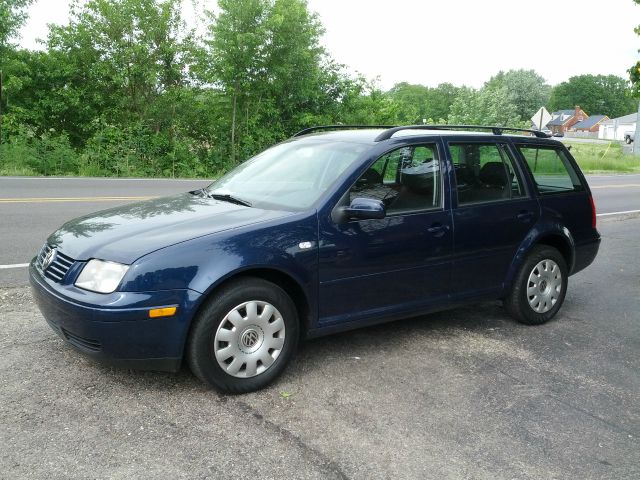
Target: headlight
[{"x": 101, "y": 276}]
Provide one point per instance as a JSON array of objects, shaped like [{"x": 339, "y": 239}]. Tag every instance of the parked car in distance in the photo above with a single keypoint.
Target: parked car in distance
[
  {"x": 334, "y": 229},
  {"x": 558, "y": 134},
  {"x": 629, "y": 136}
]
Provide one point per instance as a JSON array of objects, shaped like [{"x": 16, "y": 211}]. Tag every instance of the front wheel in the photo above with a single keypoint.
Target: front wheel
[
  {"x": 244, "y": 336},
  {"x": 539, "y": 287}
]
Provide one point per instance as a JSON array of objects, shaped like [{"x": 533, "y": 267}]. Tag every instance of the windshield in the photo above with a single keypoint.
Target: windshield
[{"x": 289, "y": 176}]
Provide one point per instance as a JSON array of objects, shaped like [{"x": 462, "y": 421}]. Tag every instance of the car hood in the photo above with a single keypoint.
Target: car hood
[{"x": 123, "y": 234}]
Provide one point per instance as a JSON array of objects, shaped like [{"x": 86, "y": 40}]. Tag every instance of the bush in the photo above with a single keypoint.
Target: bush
[{"x": 26, "y": 153}]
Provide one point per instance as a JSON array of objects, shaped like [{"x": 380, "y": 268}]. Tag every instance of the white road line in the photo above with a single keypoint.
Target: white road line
[
  {"x": 613, "y": 175},
  {"x": 15, "y": 265},
  {"x": 617, "y": 213}
]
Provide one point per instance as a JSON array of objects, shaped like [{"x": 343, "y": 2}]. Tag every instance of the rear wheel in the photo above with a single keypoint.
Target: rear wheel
[
  {"x": 539, "y": 287},
  {"x": 244, "y": 336}
]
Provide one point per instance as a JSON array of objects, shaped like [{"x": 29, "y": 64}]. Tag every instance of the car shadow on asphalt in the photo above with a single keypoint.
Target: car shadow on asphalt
[{"x": 473, "y": 319}]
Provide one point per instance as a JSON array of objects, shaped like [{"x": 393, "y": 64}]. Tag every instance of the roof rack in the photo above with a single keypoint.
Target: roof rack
[
  {"x": 387, "y": 134},
  {"x": 339, "y": 127}
]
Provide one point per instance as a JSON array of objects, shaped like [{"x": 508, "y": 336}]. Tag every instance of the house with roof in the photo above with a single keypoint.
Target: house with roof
[
  {"x": 563, "y": 120},
  {"x": 590, "y": 125},
  {"x": 615, "y": 128}
]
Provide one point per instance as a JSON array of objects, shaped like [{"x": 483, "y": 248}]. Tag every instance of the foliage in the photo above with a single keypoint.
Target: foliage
[
  {"x": 12, "y": 17},
  {"x": 487, "y": 106},
  {"x": 29, "y": 153},
  {"x": 266, "y": 58},
  {"x": 595, "y": 94},
  {"x": 126, "y": 89},
  {"x": 419, "y": 103},
  {"x": 525, "y": 89}
]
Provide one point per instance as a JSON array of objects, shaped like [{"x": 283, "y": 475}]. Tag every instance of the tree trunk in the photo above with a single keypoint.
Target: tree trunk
[
  {"x": 233, "y": 128},
  {"x": 636, "y": 135}
]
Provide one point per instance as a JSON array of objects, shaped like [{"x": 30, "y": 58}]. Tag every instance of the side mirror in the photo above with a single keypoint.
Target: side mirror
[{"x": 363, "y": 209}]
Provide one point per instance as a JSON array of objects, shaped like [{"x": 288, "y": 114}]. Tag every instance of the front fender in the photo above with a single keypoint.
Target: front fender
[
  {"x": 542, "y": 232},
  {"x": 202, "y": 264}
]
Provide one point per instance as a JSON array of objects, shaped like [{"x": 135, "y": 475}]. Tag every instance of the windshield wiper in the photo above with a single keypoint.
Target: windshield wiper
[{"x": 226, "y": 197}]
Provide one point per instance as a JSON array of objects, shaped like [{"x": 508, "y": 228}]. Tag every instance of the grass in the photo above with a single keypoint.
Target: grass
[{"x": 604, "y": 158}]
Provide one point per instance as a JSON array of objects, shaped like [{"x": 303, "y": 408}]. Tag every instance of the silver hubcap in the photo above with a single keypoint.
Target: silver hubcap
[
  {"x": 249, "y": 339},
  {"x": 544, "y": 286}
]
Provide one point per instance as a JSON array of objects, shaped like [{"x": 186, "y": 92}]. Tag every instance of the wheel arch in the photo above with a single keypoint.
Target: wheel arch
[
  {"x": 559, "y": 238},
  {"x": 562, "y": 244},
  {"x": 284, "y": 280}
]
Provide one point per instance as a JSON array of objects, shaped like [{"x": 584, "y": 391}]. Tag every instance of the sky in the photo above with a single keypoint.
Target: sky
[{"x": 429, "y": 42}]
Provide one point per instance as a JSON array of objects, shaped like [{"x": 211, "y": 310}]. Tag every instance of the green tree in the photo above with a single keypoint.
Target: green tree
[
  {"x": 118, "y": 65},
  {"x": 527, "y": 90},
  {"x": 236, "y": 56},
  {"x": 265, "y": 57},
  {"x": 418, "y": 102},
  {"x": 596, "y": 94},
  {"x": 364, "y": 103},
  {"x": 128, "y": 55},
  {"x": 12, "y": 17},
  {"x": 487, "y": 106},
  {"x": 440, "y": 100},
  {"x": 412, "y": 101}
]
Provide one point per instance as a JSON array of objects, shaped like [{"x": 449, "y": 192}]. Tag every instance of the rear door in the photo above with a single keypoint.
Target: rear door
[
  {"x": 494, "y": 210},
  {"x": 563, "y": 191}
]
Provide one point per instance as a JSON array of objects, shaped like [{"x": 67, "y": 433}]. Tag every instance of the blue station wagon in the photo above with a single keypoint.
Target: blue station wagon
[{"x": 334, "y": 229}]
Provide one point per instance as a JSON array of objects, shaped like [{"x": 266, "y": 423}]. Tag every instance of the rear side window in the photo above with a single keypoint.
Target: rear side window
[{"x": 551, "y": 170}]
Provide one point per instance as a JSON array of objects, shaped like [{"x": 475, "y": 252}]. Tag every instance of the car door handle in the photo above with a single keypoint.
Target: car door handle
[
  {"x": 525, "y": 216},
  {"x": 437, "y": 229}
]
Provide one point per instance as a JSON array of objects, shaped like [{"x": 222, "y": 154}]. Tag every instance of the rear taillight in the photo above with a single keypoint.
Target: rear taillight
[{"x": 593, "y": 212}]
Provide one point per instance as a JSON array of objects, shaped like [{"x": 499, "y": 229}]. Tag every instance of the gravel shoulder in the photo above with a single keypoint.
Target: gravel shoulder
[{"x": 460, "y": 394}]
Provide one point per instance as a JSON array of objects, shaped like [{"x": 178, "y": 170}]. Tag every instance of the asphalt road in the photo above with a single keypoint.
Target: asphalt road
[
  {"x": 32, "y": 208},
  {"x": 464, "y": 394},
  {"x": 615, "y": 193}
]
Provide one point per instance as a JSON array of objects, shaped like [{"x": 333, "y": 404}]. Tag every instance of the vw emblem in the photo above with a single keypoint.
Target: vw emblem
[
  {"x": 48, "y": 260},
  {"x": 249, "y": 338}
]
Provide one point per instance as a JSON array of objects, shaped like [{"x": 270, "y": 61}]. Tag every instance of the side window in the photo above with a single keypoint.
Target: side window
[
  {"x": 551, "y": 170},
  {"x": 407, "y": 179},
  {"x": 485, "y": 173}
]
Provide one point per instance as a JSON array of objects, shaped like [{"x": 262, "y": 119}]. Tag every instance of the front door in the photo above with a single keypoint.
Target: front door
[{"x": 373, "y": 268}]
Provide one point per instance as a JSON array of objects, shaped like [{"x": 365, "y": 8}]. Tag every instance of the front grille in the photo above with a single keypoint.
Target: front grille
[
  {"x": 58, "y": 267},
  {"x": 81, "y": 342}
]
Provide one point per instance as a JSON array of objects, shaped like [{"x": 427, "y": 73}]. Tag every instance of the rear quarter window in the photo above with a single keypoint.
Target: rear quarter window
[{"x": 551, "y": 170}]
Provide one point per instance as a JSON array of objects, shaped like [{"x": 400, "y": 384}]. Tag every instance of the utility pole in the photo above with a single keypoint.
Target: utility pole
[{"x": 636, "y": 137}]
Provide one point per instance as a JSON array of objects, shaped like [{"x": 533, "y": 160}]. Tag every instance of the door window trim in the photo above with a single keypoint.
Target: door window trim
[
  {"x": 560, "y": 151},
  {"x": 503, "y": 146},
  {"x": 443, "y": 169}
]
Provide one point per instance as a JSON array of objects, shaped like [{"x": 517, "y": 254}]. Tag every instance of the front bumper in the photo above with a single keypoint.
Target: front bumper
[{"x": 116, "y": 328}]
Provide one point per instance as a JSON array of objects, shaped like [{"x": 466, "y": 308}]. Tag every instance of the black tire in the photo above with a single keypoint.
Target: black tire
[
  {"x": 627, "y": 140},
  {"x": 201, "y": 344},
  {"x": 517, "y": 302}
]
